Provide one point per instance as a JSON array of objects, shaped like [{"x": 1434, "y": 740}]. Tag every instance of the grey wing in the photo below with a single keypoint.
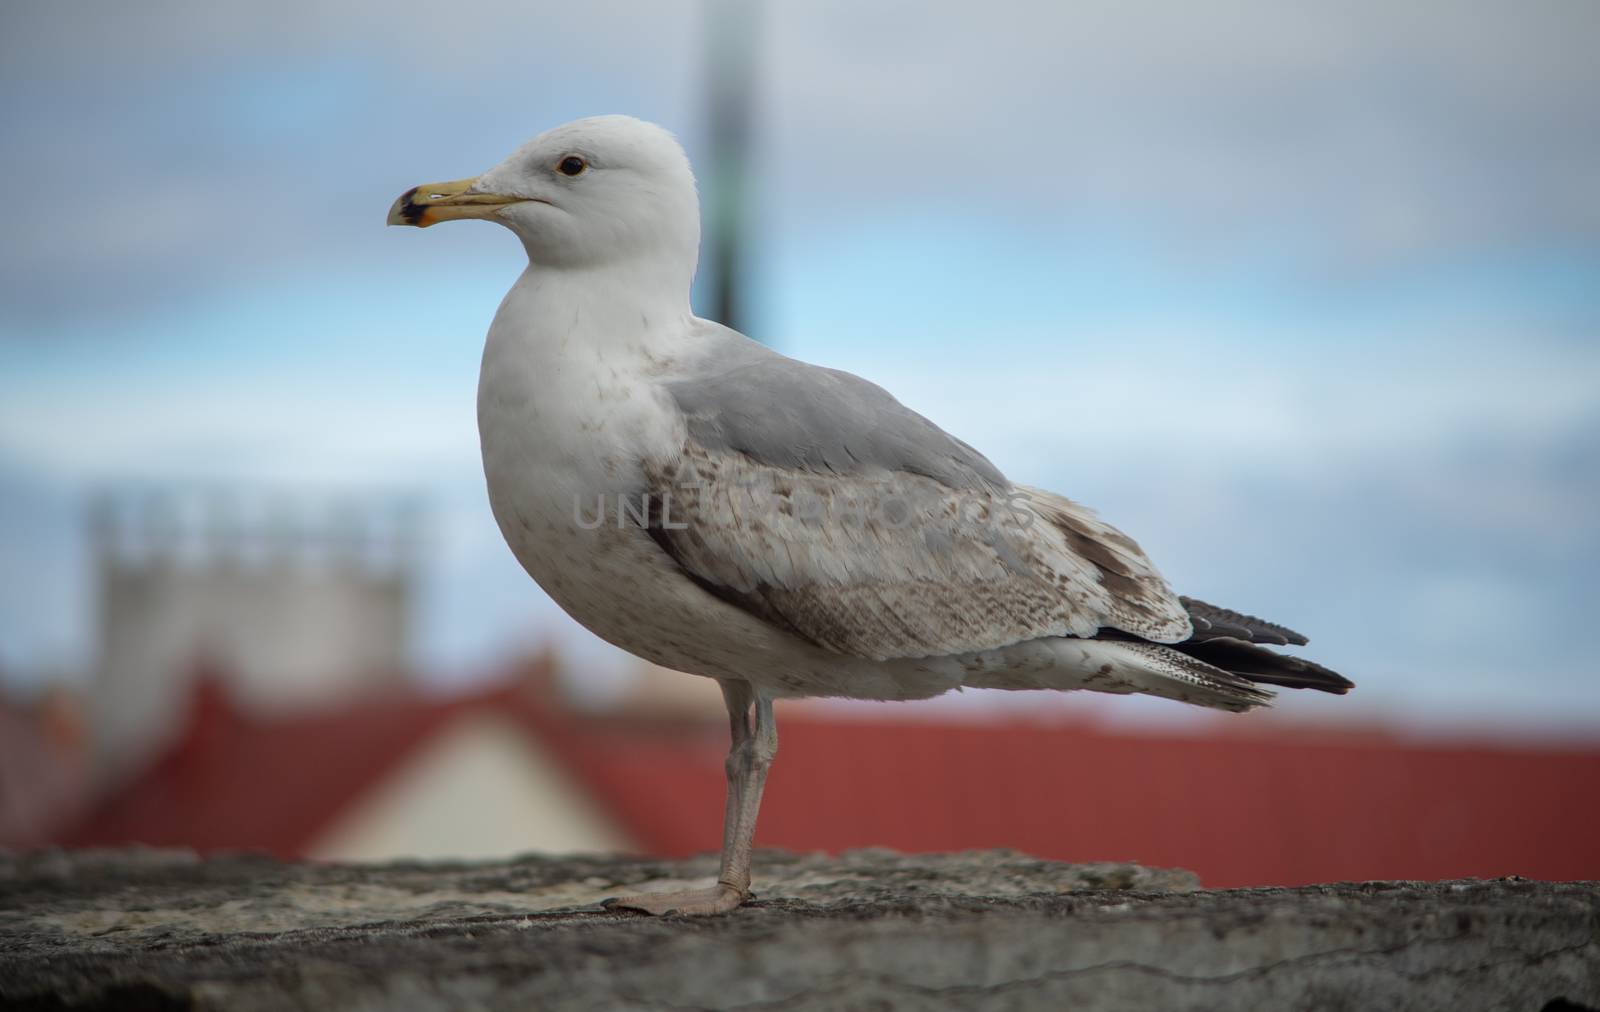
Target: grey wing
[{"x": 818, "y": 502}]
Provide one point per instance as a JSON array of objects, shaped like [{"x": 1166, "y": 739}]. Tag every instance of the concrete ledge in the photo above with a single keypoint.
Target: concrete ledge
[{"x": 165, "y": 930}]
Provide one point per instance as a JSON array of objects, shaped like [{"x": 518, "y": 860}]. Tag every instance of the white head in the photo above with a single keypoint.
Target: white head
[{"x": 590, "y": 193}]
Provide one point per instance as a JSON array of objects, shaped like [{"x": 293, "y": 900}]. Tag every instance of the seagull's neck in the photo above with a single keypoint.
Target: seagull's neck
[
  {"x": 564, "y": 376},
  {"x": 633, "y": 309}
]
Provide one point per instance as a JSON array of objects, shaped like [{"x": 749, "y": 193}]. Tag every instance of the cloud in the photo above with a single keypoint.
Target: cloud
[
  {"x": 216, "y": 139},
  {"x": 1369, "y": 129}
]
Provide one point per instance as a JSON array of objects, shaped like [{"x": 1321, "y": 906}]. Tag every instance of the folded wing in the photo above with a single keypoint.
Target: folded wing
[{"x": 815, "y": 500}]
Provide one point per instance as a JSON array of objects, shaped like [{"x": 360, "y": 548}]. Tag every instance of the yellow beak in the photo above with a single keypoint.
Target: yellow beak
[{"x": 434, "y": 202}]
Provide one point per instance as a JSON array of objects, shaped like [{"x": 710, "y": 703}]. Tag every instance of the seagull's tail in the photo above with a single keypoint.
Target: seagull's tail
[
  {"x": 1223, "y": 665},
  {"x": 1124, "y": 666},
  {"x": 1234, "y": 642}
]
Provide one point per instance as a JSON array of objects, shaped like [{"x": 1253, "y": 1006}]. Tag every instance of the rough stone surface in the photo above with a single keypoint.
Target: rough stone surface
[{"x": 165, "y": 930}]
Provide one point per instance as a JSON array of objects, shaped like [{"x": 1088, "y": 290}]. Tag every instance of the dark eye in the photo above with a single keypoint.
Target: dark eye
[{"x": 572, "y": 165}]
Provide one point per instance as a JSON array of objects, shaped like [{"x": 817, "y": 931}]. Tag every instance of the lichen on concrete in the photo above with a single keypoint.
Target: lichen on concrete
[{"x": 867, "y": 929}]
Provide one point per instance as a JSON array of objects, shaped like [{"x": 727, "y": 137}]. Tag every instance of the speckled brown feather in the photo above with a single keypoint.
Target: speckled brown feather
[{"x": 890, "y": 564}]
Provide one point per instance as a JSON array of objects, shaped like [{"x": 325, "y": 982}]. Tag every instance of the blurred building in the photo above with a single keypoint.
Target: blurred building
[
  {"x": 383, "y": 775},
  {"x": 44, "y": 767},
  {"x": 296, "y": 603}
]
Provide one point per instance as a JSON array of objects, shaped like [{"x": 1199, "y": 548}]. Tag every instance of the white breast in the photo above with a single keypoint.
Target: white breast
[{"x": 569, "y": 405}]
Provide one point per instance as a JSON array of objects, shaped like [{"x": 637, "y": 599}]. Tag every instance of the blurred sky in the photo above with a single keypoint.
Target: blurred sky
[{"x": 1304, "y": 297}]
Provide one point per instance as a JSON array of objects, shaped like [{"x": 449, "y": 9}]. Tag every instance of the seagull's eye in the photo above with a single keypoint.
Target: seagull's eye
[{"x": 572, "y": 165}]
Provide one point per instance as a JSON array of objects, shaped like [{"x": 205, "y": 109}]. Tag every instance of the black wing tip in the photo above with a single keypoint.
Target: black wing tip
[
  {"x": 1255, "y": 662},
  {"x": 1323, "y": 680},
  {"x": 1211, "y": 621}
]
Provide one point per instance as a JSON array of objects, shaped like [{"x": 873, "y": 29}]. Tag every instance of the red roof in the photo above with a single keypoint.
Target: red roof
[
  {"x": 1263, "y": 807},
  {"x": 235, "y": 781}
]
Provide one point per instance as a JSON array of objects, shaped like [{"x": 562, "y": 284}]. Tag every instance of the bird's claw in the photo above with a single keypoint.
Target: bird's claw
[{"x": 718, "y": 899}]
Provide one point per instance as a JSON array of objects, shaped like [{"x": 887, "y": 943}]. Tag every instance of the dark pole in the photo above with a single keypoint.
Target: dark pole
[{"x": 730, "y": 52}]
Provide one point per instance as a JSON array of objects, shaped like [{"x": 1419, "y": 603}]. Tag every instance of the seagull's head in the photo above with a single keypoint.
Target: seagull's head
[{"x": 589, "y": 193}]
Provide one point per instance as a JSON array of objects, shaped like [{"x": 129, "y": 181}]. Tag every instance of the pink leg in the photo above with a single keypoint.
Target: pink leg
[{"x": 754, "y": 744}]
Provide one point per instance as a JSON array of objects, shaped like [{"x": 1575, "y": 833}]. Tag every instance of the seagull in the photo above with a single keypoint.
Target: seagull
[{"x": 712, "y": 506}]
